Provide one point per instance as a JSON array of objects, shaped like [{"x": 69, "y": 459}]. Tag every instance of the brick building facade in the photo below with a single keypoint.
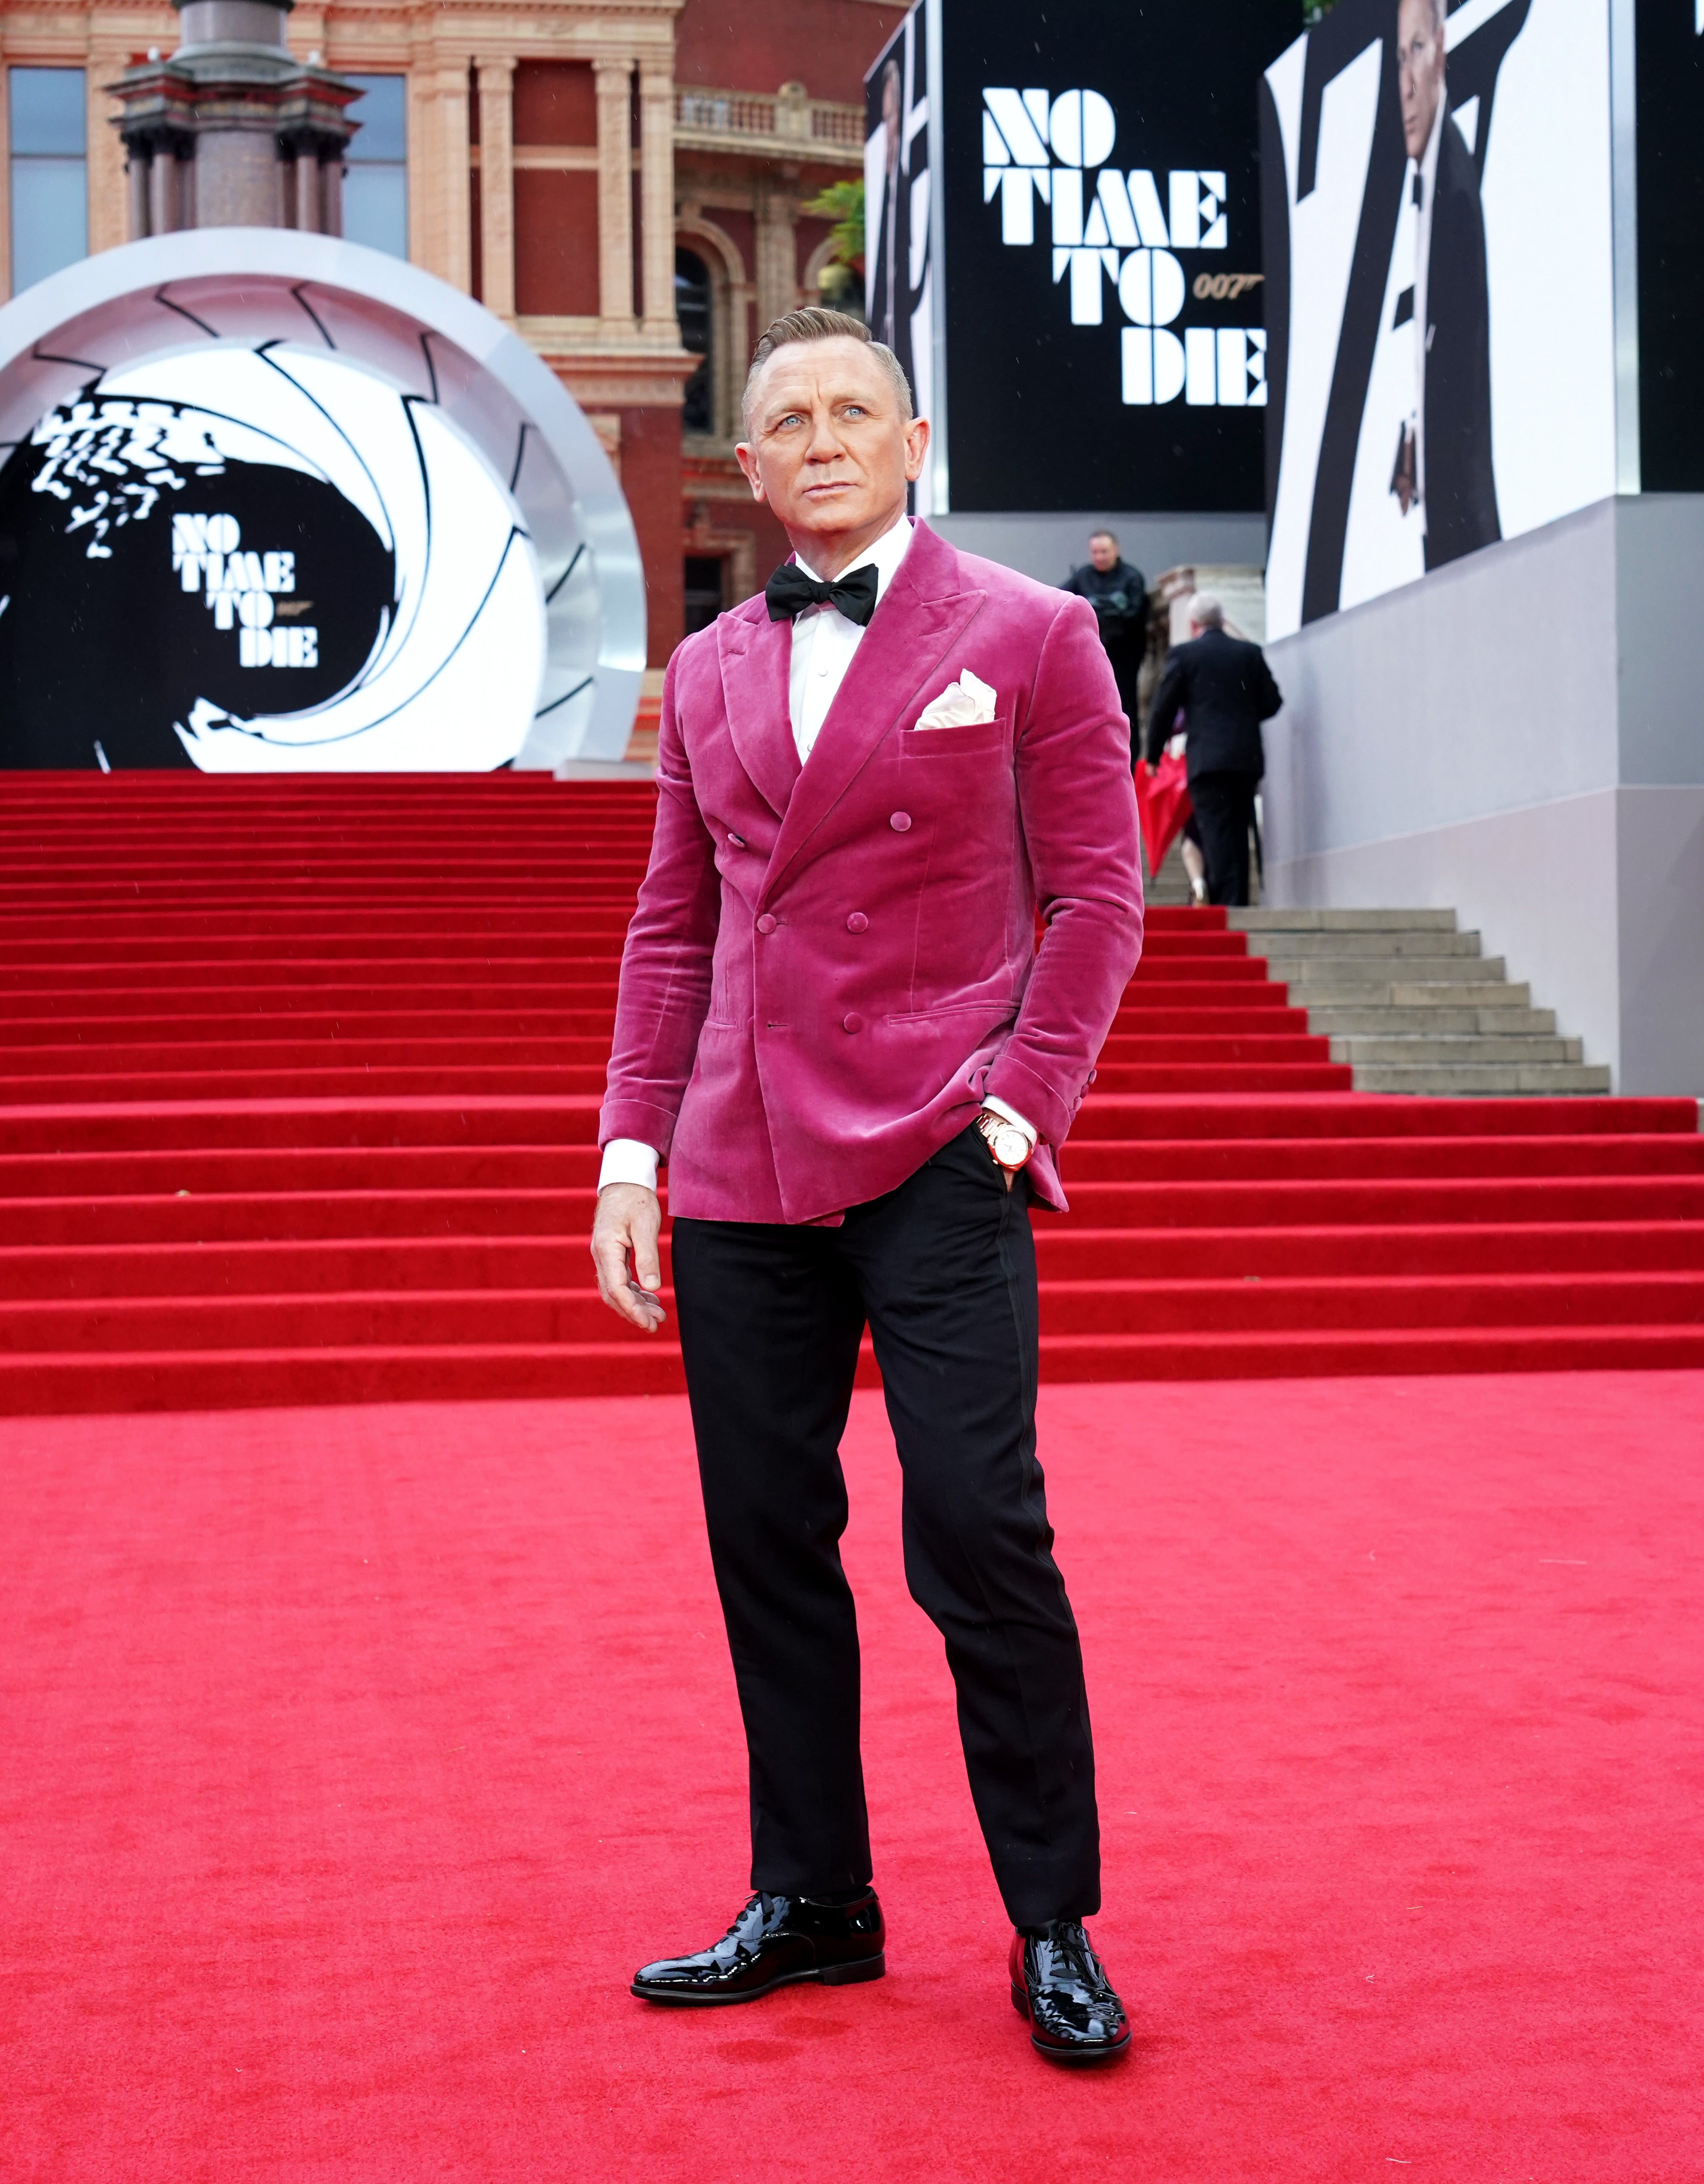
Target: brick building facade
[{"x": 576, "y": 167}]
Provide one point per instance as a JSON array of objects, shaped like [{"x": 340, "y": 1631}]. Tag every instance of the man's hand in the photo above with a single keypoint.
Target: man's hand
[{"x": 624, "y": 1232}]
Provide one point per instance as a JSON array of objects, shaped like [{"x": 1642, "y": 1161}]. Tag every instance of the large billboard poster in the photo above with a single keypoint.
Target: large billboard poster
[
  {"x": 1440, "y": 289},
  {"x": 899, "y": 297},
  {"x": 1076, "y": 189}
]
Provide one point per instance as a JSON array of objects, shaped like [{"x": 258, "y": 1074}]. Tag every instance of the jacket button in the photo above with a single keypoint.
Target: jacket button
[
  {"x": 857, "y": 922},
  {"x": 853, "y": 1022},
  {"x": 900, "y": 822},
  {"x": 737, "y": 841},
  {"x": 766, "y": 924}
]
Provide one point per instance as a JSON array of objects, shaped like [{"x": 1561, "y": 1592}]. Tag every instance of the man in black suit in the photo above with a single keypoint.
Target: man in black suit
[
  {"x": 1225, "y": 690},
  {"x": 1117, "y": 590},
  {"x": 1446, "y": 464}
]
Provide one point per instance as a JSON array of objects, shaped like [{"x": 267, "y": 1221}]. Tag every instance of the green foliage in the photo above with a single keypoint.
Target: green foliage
[{"x": 843, "y": 204}]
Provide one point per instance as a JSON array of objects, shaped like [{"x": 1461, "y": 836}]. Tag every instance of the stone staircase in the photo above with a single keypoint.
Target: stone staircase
[
  {"x": 1407, "y": 999},
  {"x": 1411, "y": 1004}
]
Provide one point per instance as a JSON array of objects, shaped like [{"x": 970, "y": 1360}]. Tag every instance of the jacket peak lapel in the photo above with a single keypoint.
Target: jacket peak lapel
[
  {"x": 921, "y": 614},
  {"x": 756, "y": 658}
]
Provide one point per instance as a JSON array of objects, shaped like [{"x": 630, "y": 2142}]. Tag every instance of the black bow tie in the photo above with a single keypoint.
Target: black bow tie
[{"x": 790, "y": 591}]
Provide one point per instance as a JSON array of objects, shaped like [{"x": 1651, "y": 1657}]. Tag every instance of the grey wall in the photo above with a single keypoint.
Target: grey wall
[
  {"x": 1049, "y": 546},
  {"x": 1520, "y": 736}
]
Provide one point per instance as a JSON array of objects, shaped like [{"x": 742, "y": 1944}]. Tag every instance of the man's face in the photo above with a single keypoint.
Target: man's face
[
  {"x": 827, "y": 447},
  {"x": 1103, "y": 551},
  {"x": 1420, "y": 71}
]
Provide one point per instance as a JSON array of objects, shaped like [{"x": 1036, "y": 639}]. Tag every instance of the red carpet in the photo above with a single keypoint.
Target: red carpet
[
  {"x": 298, "y": 1082},
  {"x": 345, "y": 1749}
]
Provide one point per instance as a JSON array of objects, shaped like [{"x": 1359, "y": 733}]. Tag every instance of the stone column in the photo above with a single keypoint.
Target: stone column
[
  {"x": 445, "y": 213},
  {"x": 307, "y": 194},
  {"x": 497, "y": 182},
  {"x": 615, "y": 190},
  {"x": 162, "y": 191},
  {"x": 332, "y": 194},
  {"x": 137, "y": 178},
  {"x": 656, "y": 199},
  {"x": 777, "y": 209}
]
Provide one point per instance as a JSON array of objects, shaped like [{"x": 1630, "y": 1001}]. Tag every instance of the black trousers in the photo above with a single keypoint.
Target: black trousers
[
  {"x": 1125, "y": 663},
  {"x": 1225, "y": 812},
  {"x": 944, "y": 1271}
]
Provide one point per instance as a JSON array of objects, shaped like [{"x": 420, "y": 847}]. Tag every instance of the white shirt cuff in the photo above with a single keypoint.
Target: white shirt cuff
[
  {"x": 1011, "y": 1114},
  {"x": 627, "y": 1160}
]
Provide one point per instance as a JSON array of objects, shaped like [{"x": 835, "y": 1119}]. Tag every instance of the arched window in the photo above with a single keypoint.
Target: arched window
[{"x": 692, "y": 308}]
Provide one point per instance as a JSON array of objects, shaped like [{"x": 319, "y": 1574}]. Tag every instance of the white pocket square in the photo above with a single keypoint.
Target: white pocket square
[{"x": 966, "y": 703}]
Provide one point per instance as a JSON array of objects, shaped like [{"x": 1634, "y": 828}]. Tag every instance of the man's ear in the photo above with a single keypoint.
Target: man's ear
[
  {"x": 916, "y": 447},
  {"x": 746, "y": 456}
]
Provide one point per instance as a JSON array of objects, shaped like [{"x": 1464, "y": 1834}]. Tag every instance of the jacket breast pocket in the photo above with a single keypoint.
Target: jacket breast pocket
[{"x": 978, "y": 740}]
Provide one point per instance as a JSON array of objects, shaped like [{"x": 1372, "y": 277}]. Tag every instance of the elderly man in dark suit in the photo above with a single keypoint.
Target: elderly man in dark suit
[{"x": 1225, "y": 689}]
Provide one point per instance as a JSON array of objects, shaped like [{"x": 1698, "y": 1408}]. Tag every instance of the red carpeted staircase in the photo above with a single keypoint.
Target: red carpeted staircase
[{"x": 298, "y": 1095}]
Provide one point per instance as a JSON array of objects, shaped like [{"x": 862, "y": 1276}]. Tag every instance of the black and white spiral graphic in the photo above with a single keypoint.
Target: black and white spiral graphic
[{"x": 252, "y": 558}]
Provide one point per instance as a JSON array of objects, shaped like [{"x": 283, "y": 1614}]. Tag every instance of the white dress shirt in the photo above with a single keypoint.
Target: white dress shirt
[{"x": 823, "y": 642}]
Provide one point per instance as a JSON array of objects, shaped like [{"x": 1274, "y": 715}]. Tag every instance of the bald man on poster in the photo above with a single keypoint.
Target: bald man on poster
[{"x": 835, "y": 1028}]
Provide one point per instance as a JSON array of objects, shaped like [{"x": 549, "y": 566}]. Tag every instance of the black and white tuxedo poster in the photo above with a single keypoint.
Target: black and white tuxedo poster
[
  {"x": 1438, "y": 243},
  {"x": 898, "y": 294}
]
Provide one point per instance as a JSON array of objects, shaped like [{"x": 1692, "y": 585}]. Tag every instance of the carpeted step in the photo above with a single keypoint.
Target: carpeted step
[
  {"x": 1388, "y": 1201},
  {"x": 475, "y": 1119},
  {"x": 1274, "y": 1115},
  {"x": 1222, "y": 1309},
  {"x": 1258, "y": 1160},
  {"x": 1374, "y": 1252},
  {"x": 540, "y": 1034},
  {"x": 190, "y": 1380},
  {"x": 312, "y": 1265}
]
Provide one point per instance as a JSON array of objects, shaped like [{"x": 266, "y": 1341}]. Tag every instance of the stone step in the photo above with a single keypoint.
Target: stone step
[
  {"x": 1463, "y": 994},
  {"x": 1507, "y": 1078},
  {"x": 1433, "y": 1019},
  {"x": 1342, "y": 921},
  {"x": 1467, "y": 1051},
  {"x": 1352, "y": 977},
  {"x": 1383, "y": 946},
  {"x": 1445, "y": 994}
]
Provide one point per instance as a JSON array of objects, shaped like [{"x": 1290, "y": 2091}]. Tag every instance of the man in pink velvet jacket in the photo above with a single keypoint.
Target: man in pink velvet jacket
[{"x": 836, "y": 1030}]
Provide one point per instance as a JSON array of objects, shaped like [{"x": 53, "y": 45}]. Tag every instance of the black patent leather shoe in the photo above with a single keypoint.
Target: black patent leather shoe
[
  {"x": 1060, "y": 1985},
  {"x": 775, "y": 1942}
]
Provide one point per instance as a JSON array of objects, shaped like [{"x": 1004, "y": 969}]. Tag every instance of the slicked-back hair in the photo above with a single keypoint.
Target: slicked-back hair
[{"x": 813, "y": 324}]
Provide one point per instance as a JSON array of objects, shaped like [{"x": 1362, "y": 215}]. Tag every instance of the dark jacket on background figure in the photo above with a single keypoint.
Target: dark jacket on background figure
[
  {"x": 1460, "y": 485},
  {"x": 1225, "y": 690}
]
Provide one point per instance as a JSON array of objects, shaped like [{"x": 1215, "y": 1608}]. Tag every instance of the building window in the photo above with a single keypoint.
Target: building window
[
  {"x": 376, "y": 185},
  {"x": 48, "y": 114},
  {"x": 703, "y": 588},
  {"x": 692, "y": 308}
]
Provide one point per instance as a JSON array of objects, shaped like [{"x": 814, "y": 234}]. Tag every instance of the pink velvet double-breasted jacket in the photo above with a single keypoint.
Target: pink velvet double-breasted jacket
[{"x": 831, "y": 965}]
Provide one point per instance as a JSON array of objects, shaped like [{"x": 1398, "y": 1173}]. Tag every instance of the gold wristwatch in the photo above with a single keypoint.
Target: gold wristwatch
[{"x": 1008, "y": 1145}]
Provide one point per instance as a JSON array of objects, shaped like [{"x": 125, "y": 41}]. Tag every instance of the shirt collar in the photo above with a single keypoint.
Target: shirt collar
[{"x": 887, "y": 553}]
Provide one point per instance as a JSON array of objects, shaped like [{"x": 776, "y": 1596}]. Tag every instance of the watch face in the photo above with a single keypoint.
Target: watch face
[{"x": 1011, "y": 1148}]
